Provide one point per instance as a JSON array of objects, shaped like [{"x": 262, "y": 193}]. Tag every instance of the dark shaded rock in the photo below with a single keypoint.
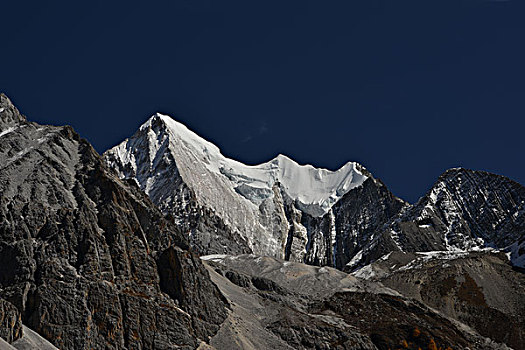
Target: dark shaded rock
[
  {"x": 10, "y": 322},
  {"x": 336, "y": 238},
  {"x": 303, "y": 331},
  {"x": 390, "y": 321},
  {"x": 180, "y": 277},
  {"x": 360, "y": 214},
  {"x": 265, "y": 284},
  {"x": 238, "y": 278}
]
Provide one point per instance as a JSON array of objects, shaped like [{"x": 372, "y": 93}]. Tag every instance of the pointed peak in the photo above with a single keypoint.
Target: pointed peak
[
  {"x": 165, "y": 118},
  {"x": 154, "y": 119},
  {"x": 159, "y": 119},
  {"x": 161, "y": 124},
  {"x": 5, "y": 102},
  {"x": 9, "y": 114},
  {"x": 284, "y": 158},
  {"x": 452, "y": 172}
]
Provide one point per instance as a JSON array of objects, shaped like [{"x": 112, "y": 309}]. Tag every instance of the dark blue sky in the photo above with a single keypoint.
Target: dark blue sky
[{"x": 407, "y": 88}]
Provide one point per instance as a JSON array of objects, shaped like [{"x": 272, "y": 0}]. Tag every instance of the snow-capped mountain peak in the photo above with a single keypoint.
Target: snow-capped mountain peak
[
  {"x": 223, "y": 203},
  {"x": 314, "y": 190}
]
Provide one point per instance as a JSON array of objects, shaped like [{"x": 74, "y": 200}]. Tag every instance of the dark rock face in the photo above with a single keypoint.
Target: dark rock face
[
  {"x": 362, "y": 213},
  {"x": 83, "y": 254},
  {"x": 180, "y": 275},
  {"x": 10, "y": 322},
  {"x": 464, "y": 210},
  {"x": 350, "y": 224},
  {"x": 392, "y": 321},
  {"x": 302, "y": 331},
  {"x": 338, "y": 237}
]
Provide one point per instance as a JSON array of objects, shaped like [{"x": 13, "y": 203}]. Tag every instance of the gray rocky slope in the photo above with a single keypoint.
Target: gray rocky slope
[
  {"x": 480, "y": 289},
  {"x": 86, "y": 260},
  {"x": 278, "y": 304}
]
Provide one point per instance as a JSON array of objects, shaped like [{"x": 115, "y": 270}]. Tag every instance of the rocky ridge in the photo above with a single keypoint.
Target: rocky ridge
[
  {"x": 86, "y": 259},
  {"x": 464, "y": 211}
]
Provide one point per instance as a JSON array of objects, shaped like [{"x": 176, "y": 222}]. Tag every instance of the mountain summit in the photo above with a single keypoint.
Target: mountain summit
[
  {"x": 278, "y": 208},
  {"x": 9, "y": 115},
  {"x": 314, "y": 190}
]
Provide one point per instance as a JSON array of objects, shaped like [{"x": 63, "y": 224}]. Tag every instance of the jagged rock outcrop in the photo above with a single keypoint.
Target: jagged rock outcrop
[
  {"x": 85, "y": 258},
  {"x": 351, "y": 224},
  {"x": 465, "y": 210},
  {"x": 10, "y": 322}
]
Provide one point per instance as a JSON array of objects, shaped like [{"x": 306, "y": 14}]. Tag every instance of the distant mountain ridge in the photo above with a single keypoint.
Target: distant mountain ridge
[{"x": 344, "y": 219}]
